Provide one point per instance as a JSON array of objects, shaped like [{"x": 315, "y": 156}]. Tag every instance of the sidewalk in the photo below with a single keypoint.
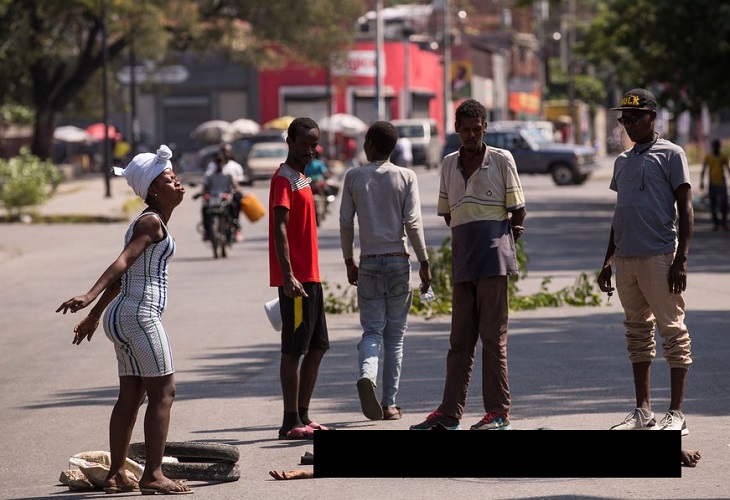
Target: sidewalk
[{"x": 86, "y": 195}]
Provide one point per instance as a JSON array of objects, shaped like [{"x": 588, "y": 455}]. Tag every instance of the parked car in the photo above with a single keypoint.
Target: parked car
[
  {"x": 264, "y": 158},
  {"x": 565, "y": 163},
  {"x": 425, "y": 141},
  {"x": 546, "y": 127}
]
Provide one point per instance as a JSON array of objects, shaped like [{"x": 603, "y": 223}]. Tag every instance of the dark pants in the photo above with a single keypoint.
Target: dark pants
[
  {"x": 480, "y": 311},
  {"x": 718, "y": 203}
]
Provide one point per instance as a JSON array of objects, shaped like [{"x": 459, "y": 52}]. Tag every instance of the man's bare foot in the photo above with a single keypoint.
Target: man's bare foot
[
  {"x": 292, "y": 474},
  {"x": 690, "y": 457}
]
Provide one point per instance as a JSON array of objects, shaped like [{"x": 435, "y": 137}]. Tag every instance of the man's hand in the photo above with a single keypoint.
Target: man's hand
[
  {"x": 677, "y": 278},
  {"x": 352, "y": 272},
  {"x": 604, "y": 279},
  {"x": 293, "y": 288}
]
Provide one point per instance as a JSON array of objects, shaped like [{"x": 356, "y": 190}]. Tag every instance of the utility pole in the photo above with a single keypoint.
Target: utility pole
[
  {"x": 571, "y": 83},
  {"x": 105, "y": 96},
  {"x": 379, "y": 56},
  {"x": 133, "y": 98},
  {"x": 447, "y": 64}
]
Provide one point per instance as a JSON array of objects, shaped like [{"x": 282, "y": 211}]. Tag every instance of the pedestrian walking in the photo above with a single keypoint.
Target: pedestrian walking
[
  {"x": 385, "y": 199},
  {"x": 648, "y": 246},
  {"x": 481, "y": 200},
  {"x": 294, "y": 270},
  {"x": 716, "y": 164},
  {"x": 134, "y": 297}
]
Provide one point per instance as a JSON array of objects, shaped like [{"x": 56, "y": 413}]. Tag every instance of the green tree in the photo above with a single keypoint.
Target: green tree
[
  {"x": 50, "y": 51},
  {"x": 675, "y": 47}
]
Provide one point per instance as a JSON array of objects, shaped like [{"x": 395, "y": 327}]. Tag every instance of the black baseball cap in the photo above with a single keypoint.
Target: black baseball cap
[{"x": 640, "y": 99}]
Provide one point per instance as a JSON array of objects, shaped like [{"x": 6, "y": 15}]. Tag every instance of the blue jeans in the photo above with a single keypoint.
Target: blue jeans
[{"x": 384, "y": 299}]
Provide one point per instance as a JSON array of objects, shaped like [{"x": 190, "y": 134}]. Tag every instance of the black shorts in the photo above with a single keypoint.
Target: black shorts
[{"x": 304, "y": 324}]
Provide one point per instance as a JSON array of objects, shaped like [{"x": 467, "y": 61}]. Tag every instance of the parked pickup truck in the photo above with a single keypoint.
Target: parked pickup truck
[{"x": 566, "y": 163}]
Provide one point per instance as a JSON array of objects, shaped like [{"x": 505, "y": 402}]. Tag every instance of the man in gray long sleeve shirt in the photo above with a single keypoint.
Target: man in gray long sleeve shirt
[{"x": 386, "y": 200}]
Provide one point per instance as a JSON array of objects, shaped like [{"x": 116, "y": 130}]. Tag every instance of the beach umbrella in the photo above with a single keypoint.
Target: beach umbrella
[
  {"x": 243, "y": 127},
  {"x": 96, "y": 131},
  {"x": 69, "y": 133},
  {"x": 343, "y": 123},
  {"x": 280, "y": 123},
  {"x": 211, "y": 131}
]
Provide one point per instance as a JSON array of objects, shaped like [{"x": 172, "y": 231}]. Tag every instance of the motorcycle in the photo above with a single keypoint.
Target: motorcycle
[
  {"x": 325, "y": 192},
  {"x": 222, "y": 226}
]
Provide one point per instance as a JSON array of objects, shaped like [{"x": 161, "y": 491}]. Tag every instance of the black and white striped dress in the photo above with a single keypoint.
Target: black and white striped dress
[{"x": 133, "y": 320}]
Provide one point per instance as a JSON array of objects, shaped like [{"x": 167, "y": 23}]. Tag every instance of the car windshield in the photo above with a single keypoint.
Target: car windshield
[
  {"x": 534, "y": 137},
  {"x": 410, "y": 130},
  {"x": 268, "y": 152}
]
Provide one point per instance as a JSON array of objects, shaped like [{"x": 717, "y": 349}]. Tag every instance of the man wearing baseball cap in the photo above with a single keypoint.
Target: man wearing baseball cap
[{"x": 648, "y": 245}]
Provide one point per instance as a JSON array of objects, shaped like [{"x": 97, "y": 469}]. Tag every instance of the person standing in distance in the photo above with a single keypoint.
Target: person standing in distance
[
  {"x": 481, "y": 200},
  {"x": 134, "y": 297},
  {"x": 294, "y": 270},
  {"x": 385, "y": 199},
  {"x": 716, "y": 164},
  {"x": 651, "y": 230}
]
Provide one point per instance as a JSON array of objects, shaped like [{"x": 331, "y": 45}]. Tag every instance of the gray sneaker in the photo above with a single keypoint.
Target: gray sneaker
[
  {"x": 639, "y": 419},
  {"x": 673, "y": 421}
]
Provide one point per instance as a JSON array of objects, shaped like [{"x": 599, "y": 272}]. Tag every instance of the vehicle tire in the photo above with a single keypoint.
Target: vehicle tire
[
  {"x": 215, "y": 235},
  {"x": 191, "y": 451},
  {"x": 580, "y": 179},
  {"x": 201, "y": 471},
  {"x": 562, "y": 174}
]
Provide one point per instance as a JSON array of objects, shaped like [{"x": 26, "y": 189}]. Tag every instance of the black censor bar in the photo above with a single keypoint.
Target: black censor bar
[{"x": 494, "y": 454}]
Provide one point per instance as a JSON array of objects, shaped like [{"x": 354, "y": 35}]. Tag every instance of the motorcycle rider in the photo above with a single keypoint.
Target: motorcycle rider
[
  {"x": 318, "y": 172},
  {"x": 214, "y": 184},
  {"x": 235, "y": 170}
]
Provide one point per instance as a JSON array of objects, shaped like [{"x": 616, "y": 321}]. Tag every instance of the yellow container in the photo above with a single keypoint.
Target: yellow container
[{"x": 252, "y": 207}]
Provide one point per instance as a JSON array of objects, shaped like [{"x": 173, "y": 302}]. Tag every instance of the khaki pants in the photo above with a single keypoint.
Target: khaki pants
[{"x": 643, "y": 288}]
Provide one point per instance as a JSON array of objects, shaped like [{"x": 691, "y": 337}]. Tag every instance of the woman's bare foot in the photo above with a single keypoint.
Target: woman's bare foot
[
  {"x": 165, "y": 487},
  {"x": 119, "y": 483},
  {"x": 690, "y": 457}
]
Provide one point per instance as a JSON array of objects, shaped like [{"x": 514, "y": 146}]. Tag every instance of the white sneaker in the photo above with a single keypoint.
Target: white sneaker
[
  {"x": 673, "y": 421},
  {"x": 638, "y": 419}
]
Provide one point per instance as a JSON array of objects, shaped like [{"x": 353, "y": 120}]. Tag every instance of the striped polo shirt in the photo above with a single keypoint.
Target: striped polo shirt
[{"x": 482, "y": 241}]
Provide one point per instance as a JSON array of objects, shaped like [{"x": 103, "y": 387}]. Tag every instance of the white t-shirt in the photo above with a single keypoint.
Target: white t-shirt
[{"x": 232, "y": 168}]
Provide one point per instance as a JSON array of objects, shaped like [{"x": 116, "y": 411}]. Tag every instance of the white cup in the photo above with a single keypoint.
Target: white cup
[{"x": 273, "y": 312}]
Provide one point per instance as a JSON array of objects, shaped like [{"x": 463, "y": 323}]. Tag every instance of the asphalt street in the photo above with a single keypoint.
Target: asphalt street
[{"x": 568, "y": 365}]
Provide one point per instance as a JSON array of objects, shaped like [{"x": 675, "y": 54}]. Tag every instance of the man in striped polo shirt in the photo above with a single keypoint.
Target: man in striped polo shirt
[{"x": 481, "y": 200}]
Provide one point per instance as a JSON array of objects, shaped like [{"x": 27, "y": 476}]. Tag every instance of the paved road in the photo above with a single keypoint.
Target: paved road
[{"x": 568, "y": 365}]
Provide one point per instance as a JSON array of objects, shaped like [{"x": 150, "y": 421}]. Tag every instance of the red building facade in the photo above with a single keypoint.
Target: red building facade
[{"x": 412, "y": 85}]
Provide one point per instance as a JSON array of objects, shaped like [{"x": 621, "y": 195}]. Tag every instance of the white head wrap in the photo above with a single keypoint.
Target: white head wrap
[{"x": 144, "y": 168}]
